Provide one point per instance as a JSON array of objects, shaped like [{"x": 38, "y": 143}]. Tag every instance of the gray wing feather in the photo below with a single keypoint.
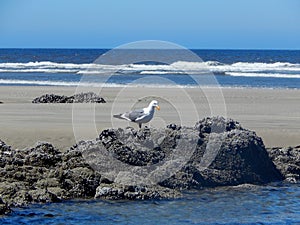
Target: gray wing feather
[{"x": 135, "y": 114}]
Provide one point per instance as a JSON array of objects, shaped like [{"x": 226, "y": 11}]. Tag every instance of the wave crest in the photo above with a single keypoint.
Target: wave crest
[{"x": 276, "y": 69}]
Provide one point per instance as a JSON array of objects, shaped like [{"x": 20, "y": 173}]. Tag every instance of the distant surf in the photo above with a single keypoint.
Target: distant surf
[
  {"x": 276, "y": 69},
  {"x": 231, "y": 68}
]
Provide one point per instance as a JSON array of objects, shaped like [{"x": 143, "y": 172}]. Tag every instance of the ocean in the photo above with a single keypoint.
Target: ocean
[
  {"x": 231, "y": 68},
  {"x": 272, "y": 204}
]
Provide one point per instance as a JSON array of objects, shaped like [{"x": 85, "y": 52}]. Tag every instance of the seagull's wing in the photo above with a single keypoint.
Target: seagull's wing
[
  {"x": 132, "y": 115},
  {"x": 136, "y": 114}
]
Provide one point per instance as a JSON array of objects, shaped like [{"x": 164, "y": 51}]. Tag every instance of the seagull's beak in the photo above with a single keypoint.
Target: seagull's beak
[{"x": 157, "y": 107}]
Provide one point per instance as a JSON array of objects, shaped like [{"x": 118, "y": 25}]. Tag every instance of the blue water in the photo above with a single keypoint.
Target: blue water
[
  {"x": 274, "y": 204},
  {"x": 232, "y": 68}
]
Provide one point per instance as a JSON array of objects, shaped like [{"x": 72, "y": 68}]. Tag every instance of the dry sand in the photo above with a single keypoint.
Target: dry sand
[{"x": 273, "y": 114}]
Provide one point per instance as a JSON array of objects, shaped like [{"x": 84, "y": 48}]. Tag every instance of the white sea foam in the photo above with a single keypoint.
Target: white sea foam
[
  {"x": 154, "y": 72},
  {"x": 276, "y": 69},
  {"x": 91, "y": 84},
  {"x": 257, "y": 67},
  {"x": 277, "y": 75},
  {"x": 38, "y": 82},
  {"x": 37, "y": 71}
]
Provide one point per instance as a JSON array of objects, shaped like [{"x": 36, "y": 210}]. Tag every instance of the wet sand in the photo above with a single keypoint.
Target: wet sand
[{"x": 273, "y": 113}]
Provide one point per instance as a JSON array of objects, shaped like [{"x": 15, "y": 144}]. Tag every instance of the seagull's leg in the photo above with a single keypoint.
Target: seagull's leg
[{"x": 140, "y": 125}]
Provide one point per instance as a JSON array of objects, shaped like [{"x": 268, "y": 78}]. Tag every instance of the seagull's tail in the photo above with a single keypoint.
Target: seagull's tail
[{"x": 119, "y": 116}]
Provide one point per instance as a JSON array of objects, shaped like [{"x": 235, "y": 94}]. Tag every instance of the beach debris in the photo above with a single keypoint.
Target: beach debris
[{"x": 88, "y": 97}]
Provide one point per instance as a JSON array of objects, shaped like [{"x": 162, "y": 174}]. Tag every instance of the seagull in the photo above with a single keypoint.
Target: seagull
[{"x": 140, "y": 115}]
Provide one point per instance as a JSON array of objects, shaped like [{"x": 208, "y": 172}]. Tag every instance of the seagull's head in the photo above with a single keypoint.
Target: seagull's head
[{"x": 154, "y": 104}]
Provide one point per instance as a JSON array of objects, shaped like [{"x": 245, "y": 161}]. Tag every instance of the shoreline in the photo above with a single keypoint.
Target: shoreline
[{"x": 274, "y": 114}]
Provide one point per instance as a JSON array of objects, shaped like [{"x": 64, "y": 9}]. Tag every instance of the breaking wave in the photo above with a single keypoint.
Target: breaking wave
[
  {"x": 276, "y": 75},
  {"x": 89, "y": 84},
  {"x": 247, "y": 69}
]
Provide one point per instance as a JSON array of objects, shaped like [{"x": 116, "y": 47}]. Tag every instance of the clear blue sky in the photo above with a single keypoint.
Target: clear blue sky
[{"x": 212, "y": 24}]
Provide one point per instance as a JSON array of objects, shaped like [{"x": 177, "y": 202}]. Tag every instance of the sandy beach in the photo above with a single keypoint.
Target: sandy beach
[{"x": 273, "y": 113}]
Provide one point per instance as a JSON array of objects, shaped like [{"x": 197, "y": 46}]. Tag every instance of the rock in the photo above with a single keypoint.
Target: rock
[
  {"x": 4, "y": 147},
  {"x": 50, "y": 98},
  {"x": 4, "y": 208},
  {"x": 80, "y": 182},
  {"x": 86, "y": 97},
  {"x": 138, "y": 148},
  {"x": 5, "y": 154},
  {"x": 14, "y": 193},
  {"x": 1, "y": 102},
  {"x": 240, "y": 157},
  {"x": 42, "y": 155},
  {"x": 89, "y": 97},
  {"x": 132, "y": 192},
  {"x": 217, "y": 125},
  {"x": 287, "y": 161},
  {"x": 160, "y": 162},
  {"x": 44, "y": 174},
  {"x": 42, "y": 196}
]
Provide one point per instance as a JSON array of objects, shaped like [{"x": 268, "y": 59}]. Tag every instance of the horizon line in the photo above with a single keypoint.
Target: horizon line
[{"x": 107, "y": 48}]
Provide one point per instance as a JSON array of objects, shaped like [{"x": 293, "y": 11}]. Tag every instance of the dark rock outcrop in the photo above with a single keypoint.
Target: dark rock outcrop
[
  {"x": 50, "y": 98},
  {"x": 89, "y": 97},
  {"x": 4, "y": 208},
  {"x": 143, "y": 164},
  {"x": 138, "y": 148},
  {"x": 240, "y": 157},
  {"x": 44, "y": 174},
  {"x": 287, "y": 161},
  {"x": 134, "y": 192}
]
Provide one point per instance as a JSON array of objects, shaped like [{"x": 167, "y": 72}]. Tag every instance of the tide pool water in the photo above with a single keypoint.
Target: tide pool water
[{"x": 272, "y": 204}]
